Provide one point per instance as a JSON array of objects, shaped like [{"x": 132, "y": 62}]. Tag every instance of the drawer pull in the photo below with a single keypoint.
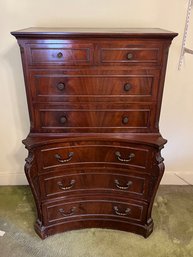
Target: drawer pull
[
  {"x": 125, "y": 213},
  {"x": 62, "y": 187},
  {"x": 60, "y": 86},
  {"x": 59, "y": 55},
  {"x": 70, "y": 213},
  {"x": 125, "y": 120},
  {"x": 118, "y": 155},
  {"x": 61, "y": 160},
  {"x": 129, "y": 56},
  {"x": 127, "y": 87},
  {"x": 129, "y": 183},
  {"x": 63, "y": 119}
]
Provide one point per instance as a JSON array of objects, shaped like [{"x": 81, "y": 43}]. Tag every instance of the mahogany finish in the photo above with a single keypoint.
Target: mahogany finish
[{"x": 94, "y": 98}]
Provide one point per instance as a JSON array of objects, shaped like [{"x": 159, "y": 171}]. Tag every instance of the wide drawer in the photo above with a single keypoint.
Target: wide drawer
[
  {"x": 92, "y": 118},
  {"x": 61, "y": 155},
  {"x": 60, "y": 54},
  {"x": 94, "y": 208},
  {"x": 86, "y": 181},
  {"x": 76, "y": 86}
]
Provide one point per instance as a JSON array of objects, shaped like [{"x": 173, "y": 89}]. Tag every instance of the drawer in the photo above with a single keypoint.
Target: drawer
[
  {"x": 94, "y": 208},
  {"x": 139, "y": 118},
  {"x": 75, "y": 182},
  {"x": 57, "y": 86},
  {"x": 120, "y": 53},
  {"x": 62, "y": 155},
  {"x": 60, "y": 54}
]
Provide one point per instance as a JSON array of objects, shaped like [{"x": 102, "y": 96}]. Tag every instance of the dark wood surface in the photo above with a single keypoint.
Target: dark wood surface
[
  {"x": 103, "y": 32},
  {"x": 94, "y": 180},
  {"x": 94, "y": 98}
]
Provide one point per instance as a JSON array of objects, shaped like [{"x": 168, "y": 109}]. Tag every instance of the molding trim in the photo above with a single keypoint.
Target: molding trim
[{"x": 169, "y": 178}]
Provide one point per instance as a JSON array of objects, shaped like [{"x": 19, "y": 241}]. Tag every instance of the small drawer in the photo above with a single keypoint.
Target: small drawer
[
  {"x": 62, "y": 155},
  {"x": 60, "y": 54},
  {"x": 94, "y": 119},
  {"x": 94, "y": 208},
  {"x": 54, "y": 86},
  {"x": 128, "y": 53},
  {"x": 70, "y": 182}
]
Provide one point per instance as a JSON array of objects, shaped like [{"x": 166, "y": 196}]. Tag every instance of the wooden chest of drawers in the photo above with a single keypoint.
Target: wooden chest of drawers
[{"x": 94, "y": 98}]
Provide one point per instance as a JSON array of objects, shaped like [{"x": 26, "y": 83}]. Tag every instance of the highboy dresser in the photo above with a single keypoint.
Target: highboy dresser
[{"x": 94, "y": 98}]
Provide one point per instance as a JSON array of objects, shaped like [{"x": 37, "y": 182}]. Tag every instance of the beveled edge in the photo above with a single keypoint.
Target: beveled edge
[
  {"x": 35, "y": 140},
  {"x": 45, "y": 32}
]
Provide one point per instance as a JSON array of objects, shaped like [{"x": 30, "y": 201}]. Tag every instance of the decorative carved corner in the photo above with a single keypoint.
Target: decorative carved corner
[
  {"x": 158, "y": 162},
  {"x": 40, "y": 229},
  {"x": 159, "y": 158},
  {"x": 29, "y": 167},
  {"x": 157, "y": 171},
  {"x": 29, "y": 161},
  {"x": 32, "y": 177},
  {"x": 149, "y": 227}
]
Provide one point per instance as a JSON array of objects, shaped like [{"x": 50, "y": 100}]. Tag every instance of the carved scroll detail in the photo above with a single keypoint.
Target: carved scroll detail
[
  {"x": 156, "y": 175},
  {"x": 32, "y": 176}
]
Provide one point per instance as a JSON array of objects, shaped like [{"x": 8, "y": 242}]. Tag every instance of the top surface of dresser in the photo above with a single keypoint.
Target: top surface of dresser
[{"x": 98, "y": 32}]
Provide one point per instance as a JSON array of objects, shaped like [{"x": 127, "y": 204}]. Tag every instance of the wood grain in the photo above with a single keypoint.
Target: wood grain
[{"x": 94, "y": 99}]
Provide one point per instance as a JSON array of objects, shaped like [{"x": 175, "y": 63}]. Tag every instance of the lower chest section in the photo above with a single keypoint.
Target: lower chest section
[{"x": 79, "y": 179}]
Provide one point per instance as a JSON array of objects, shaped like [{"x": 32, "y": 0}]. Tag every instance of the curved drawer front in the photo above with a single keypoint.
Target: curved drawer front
[
  {"x": 139, "y": 119},
  {"x": 85, "y": 181},
  {"x": 60, "y": 54},
  {"x": 54, "y": 86},
  {"x": 61, "y": 156},
  {"x": 93, "y": 208}
]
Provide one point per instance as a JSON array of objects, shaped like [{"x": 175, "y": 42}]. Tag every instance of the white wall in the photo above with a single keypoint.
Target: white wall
[{"x": 176, "y": 122}]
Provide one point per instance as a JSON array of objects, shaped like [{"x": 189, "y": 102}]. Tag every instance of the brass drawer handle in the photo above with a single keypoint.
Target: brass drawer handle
[
  {"x": 125, "y": 120},
  {"x": 129, "y": 56},
  {"x": 70, "y": 213},
  {"x": 127, "y": 87},
  {"x": 117, "y": 184},
  {"x": 62, "y": 187},
  {"x": 63, "y": 119},
  {"x": 60, "y": 86},
  {"x": 59, "y": 55},
  {"x": 125, "y": 213},
  {"x": 118, "y": 155},
  {"x": 61, "y": 160}
]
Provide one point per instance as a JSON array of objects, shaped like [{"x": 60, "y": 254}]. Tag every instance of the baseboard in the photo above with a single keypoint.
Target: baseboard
[
  {"x": 169, "y": 178},
  {"x": 177, "y": 178},
  {"x": 12, "y": 179}
]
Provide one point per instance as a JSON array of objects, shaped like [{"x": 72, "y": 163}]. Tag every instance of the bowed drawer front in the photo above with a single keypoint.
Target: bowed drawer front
[
  {"x": 59, "y": 156},
  {"x": 86, "y": 180},
  {"x": 94, "y": 98},
  {"x": 106, "y": 208}
]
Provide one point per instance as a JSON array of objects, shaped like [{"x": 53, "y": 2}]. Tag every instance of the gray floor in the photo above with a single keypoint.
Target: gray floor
[{"x": 172, "y": 236}]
